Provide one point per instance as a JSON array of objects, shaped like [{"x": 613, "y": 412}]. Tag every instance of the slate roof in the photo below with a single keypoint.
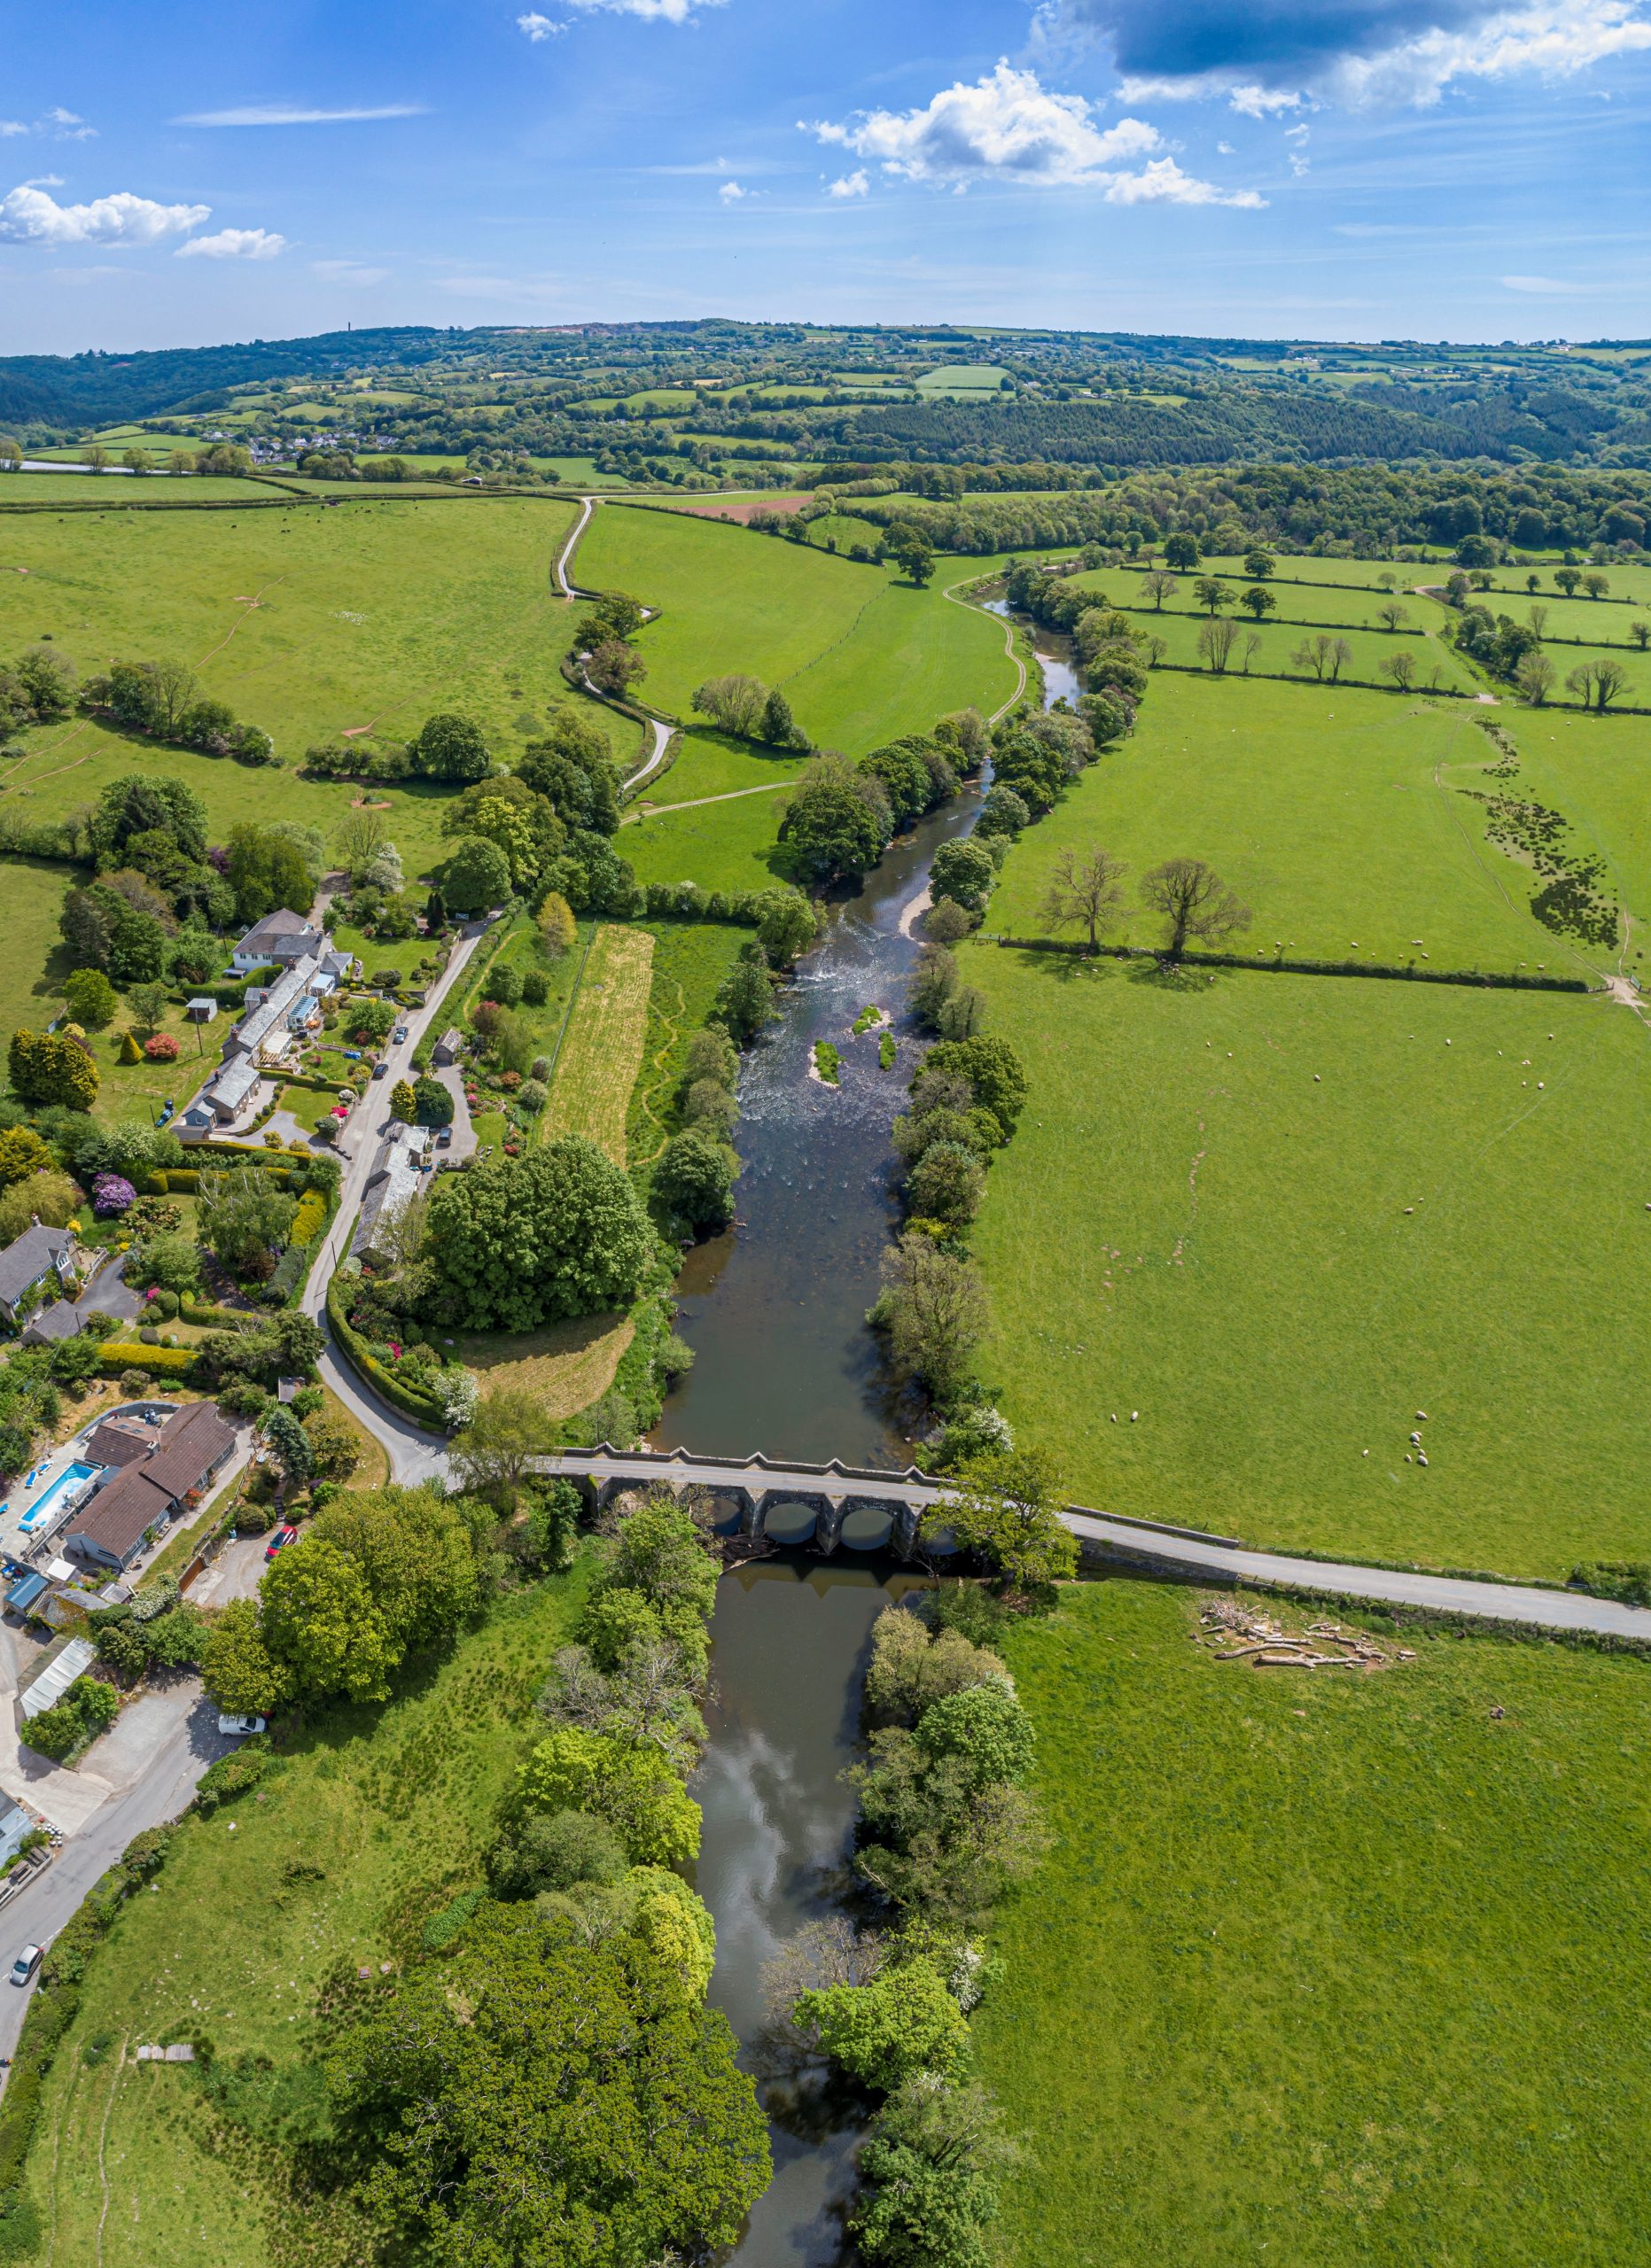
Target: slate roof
[
  {"x": 121, "y": 1440},
  {"x": 27, "y": 1258},
  {"x": 192, "y": 1441},
  {"x": 120, "y": 1511}
]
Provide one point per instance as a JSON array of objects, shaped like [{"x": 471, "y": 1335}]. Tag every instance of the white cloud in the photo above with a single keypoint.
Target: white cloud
[
  {"x": 730, "y": 192},
  {"x": 1554, "y": 39},
  {"x": 855, "y": 184},
  {"x": 56, "y": 125},
  {"x": 346, "y": 271},
  {"x": 1249, "y": 99},
  {"x": 1225, "y": 149},
  {"x": 1008, "y": 126},
  {"x": 538, "y": 28},
  {"x": 233, "y": 244},
  {"x": 29, "y": 215},
  {"x": 297, "y": 114},
  {"x": 668, "y": 12},
  {"x": 1163, "y": 182},
  {"x": 1544, "y": 286}
]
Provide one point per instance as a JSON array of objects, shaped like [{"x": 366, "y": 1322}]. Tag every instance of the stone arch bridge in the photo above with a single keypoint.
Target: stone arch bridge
[{"x": 867, "y": 1509}]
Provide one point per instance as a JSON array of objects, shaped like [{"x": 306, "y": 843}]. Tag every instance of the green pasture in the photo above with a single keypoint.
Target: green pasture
[
  {"x": 860, "y": 657},
  {"x": 841, "y": 530},
  {"x": 1596, "y": 771},
  {"x": 1279, "y": 1215},
  {"x": 1335, "y": 1969},
  {"x": 112, "y": 492},
  {"x": 728, "y": 846},
  {"x": 377, "y": 1821},
  {"x": 1350, "y": 606},
  {"x": 966, "y": 380},
  {"x": 35, "y": 961},
  {"x": 1344, "y": 820},
  {"x": 308, "y": 623},
  {"x": 713, "y": 763},
  {"x": 1279, "y": 642},
  {"x": 1587, "y": 622},
  {"x": 690, "y": 960}
]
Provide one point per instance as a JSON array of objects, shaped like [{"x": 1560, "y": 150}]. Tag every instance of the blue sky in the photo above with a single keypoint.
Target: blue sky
[{"x": 1360, "y": 168}]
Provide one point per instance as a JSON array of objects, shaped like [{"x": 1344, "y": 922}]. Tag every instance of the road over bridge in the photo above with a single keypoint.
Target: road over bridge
[{"x": 864, "y": 1508}]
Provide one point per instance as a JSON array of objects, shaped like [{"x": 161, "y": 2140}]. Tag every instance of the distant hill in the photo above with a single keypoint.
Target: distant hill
[{"x": 99, "y": 389}]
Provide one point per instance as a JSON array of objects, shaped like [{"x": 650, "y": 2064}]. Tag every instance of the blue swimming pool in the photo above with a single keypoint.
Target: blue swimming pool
[{"x": 68, "y": 1483}]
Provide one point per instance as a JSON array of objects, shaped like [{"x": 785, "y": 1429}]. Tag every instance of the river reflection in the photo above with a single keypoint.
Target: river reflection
[{"x": 789, "y": 1641}]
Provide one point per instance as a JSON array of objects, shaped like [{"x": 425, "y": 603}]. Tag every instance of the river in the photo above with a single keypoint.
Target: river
[{"x": 775, "y": 1311}]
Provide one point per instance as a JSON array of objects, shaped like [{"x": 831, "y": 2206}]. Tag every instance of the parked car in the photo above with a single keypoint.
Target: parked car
[
  {"x": 379, "y": 1070},
  {"x": 401, "y": 1034},
  {"x": 284, "y": 1535},
  {"x": 27, "y": 1962},
  {"x": 444, "y": 1140},
  {"x": 238, "y": 1728}
]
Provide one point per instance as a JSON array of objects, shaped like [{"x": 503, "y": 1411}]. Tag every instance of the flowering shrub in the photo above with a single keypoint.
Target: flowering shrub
[
  {"x": 162, "y": 1048},
  {"x": 509, "y": 1081},
  {"x": 110, "y": 1193}
]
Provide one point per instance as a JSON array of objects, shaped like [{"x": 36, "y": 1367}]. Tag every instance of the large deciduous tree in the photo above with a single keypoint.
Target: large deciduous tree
[
  {"x": 528, "y": 1241},
  {"x": 1086, "y": 888},
  {"x": 837, "y": 821},
  {"x": 531, "y": 2097},
  {"x": 1007, "y": 1509},
  {"x": 1194, "y": 902}
]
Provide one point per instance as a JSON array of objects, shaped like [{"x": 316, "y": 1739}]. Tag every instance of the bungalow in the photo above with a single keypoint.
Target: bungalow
[
  {"x": 188, "y": 1452},
  {"x": 281, "y": 936},
  {"x": 29, "y": 1261}
]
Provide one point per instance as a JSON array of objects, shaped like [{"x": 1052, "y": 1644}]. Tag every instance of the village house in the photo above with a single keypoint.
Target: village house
[
  {"x": 28, "y": 1262},
  {"x": 152, "y": 1472},
  {"x": 280, "y": 938}
]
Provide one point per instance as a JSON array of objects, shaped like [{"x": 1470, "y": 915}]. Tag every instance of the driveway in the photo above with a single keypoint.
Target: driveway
[
  {"x": 110, "y": 1294},
  {"x": 464, "y": 1144},
  {"x": 235, "y": 1573}
]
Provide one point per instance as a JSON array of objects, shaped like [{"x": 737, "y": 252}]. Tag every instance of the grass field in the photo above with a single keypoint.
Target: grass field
[
  {"x": 1278, "y": 643},
  {"x": 709, "y": 763},
  {"x": 1344, "y": 822},
  {"x": 390, "y": 1806},
  {"x": 690, "y": 960},
  {"x": 566, "y": 1366},
  {"x": 121, "y": 492},
  {"x": 1339, "y": 1973},
  {"x": 308, "y": 623},
  {"x": 731, "y": 845},
  {"x": 1206, "y": 1216},
  {"x": 860, "y": 657},
  {"x": 602, "y": 1052}
]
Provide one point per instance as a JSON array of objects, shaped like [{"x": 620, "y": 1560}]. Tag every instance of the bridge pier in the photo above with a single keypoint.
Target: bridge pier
[{"x": 904, "y": 1537}]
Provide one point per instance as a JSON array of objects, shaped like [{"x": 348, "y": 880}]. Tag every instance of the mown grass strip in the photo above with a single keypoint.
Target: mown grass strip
[{"x": 602, "y": 1051}]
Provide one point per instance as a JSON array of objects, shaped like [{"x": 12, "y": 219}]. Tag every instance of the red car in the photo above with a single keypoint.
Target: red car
[{"x": 285, "y": 1533}]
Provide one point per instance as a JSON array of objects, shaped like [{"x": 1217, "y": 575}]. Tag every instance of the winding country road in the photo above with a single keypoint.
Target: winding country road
[
  {"x": 570, "y": 590},
  {"x": 415, "y": 1455}
]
